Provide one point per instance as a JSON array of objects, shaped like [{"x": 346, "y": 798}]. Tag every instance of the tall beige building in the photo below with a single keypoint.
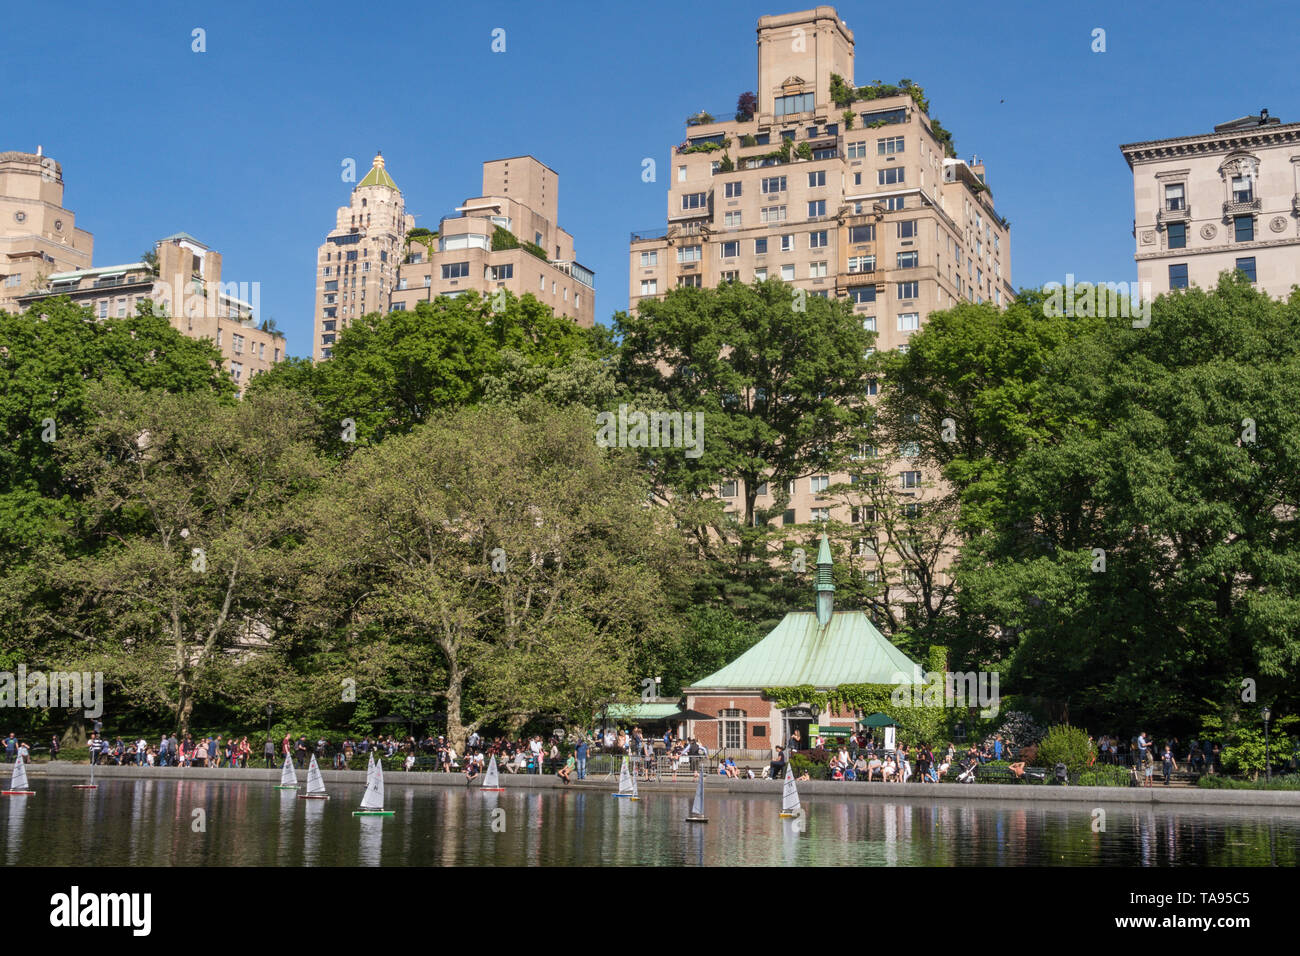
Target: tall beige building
[
  {"x": 38, "y": 235},
  {"x": 185, "y": 283},
  {"x": 867, "y": 207},
  {"x": 507, "y": 238},
  {"x": 1215, "y": 202}
]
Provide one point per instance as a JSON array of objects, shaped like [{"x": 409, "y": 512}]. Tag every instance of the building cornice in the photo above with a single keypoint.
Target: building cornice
[
  {"x": 1237, "y": 247},
  {"x": 1210, "y": 144}
]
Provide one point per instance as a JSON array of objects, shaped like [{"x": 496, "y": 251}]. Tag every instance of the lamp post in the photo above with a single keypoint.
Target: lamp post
[
  {"x": 269, "y": 708},
  {"x": 1268, "y": 764}
]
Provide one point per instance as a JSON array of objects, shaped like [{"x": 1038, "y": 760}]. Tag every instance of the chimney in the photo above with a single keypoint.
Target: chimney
[{"x": 825, "y": 589}]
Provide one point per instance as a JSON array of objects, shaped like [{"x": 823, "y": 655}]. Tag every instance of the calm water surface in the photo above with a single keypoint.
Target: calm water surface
[{"x": 149, "y": 823}]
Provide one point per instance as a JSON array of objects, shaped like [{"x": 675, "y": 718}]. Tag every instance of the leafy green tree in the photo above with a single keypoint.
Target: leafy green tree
[
  {"x": 187, "y": 498},
  {"x": 506, "y": 546}
]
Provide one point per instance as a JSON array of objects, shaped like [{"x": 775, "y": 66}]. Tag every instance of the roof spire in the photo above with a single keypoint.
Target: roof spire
[
  {"x": 378, "y": 176},
  {"x": 825, "y": 587}
]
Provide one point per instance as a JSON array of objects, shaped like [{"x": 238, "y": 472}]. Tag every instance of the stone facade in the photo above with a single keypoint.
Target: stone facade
[
  {"x": 38, "y": 235},
  {"x": 1217, "y": 202}
]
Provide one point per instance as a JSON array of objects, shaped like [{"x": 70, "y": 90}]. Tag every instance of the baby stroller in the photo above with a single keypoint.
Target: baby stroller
[{"x": 967, "y": 772}]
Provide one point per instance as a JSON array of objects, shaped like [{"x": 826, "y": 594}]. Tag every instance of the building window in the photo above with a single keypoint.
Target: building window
[
  {"x": 1243, "y": 228},
  {"x": 911, "y": 479},
  {"x": 1178, "y": 276},
  {"x": 774, "y": 184},
  {"x": 1248, "y": 267},
  {"x": 787, "y": 273},
  {"x": 869, "y": 323},
  {"x": 649, "y": 259},
  {"x": 760, "y": 247},
  {"x": 1177, "y": 233},
  {"x": 817, "y": 179},
  {"x": 1242, "y": 189},
  {"x": 894, "y": 203},
  {"x": 689, "y": 282},
  {"x": 893, "y": 176},
  {"x": 858, "y": 234},
  {"x": 818, "y": 240},
  {"x": 694, "y": 200},
  {"x": 909, "y": 321},
  {"x": 797, "y": 103},
  {"x": 820, "y": 514},
  {"x": 732, "y": 190},
  {"x": 908, "y": 260},
  {"x": 873, "y": 388},
  {"x": 773, "y": 214},
  {"x": 889, "y": 146},
  {"x": 690, "y": 253},
  {"x": 863, "y": 293},
  {"x": 885, "y": 116},
  {"x": 857, "y": 150},
  {"x": 728, "y": 489},
  {"x": 455, "y": 270},
  {"x": 817, "y": 270},
  {"x": 730, "y": 275},
  {"x": 788, "y": 517},
  {"x": 816, "y": 208},
  {"x": 1175, "y": 197},
  {"x": 732, "y": 736},
  {"x": 649, "y": 286},
  {"x": 907, "y": 229},
  {"x": 862, "y": 263},
  {"x": 401, "y": 306},
  {"x": 818, "y": 483},
  {"x": 760, "y": 275},
  {"x": 730, "y": 249},
  {"x": 237, "y": 343},
  {"x": 908, "y": 290},
  {"x": 501, "y": 272},
  {"x": 731, "y": 219},
  {"x": 857, "y": 181},
  {"x": 237, "y": 370},
  {"x": 681, "y": 174},
  {"x": 787, "y": 243}
]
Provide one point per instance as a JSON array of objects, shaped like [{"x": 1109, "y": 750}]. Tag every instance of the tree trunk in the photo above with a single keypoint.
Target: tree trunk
[
  {"x": 455, "y": 728},
  {"x": 184, "y": 707}
]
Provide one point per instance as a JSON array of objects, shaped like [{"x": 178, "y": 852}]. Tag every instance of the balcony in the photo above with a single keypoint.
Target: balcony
[
  {"x": 1236, "y": 207},
  {"x": 648, "y": 235},
  {"x": 1164, "y": 216}
]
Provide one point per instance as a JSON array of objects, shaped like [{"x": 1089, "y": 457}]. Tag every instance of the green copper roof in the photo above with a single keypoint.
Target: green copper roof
[
  {"x": 848, "y": 650},
  {"x": 378, "y": 176}
]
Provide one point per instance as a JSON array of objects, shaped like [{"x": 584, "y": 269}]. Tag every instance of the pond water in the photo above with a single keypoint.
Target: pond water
[{"x": 153, "y": 823}]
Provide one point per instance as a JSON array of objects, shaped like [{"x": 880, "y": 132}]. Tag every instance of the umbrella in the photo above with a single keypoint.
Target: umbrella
[
  {"x": 880, "y": 720},
  {"x": 692, "y": 715}
]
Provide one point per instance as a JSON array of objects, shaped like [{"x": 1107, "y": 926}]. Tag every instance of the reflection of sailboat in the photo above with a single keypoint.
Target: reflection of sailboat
[
  {"x": 491, "y": 780},
  {"x": 88, "y": 786},
  {"x": 372, "y": 838},
  {"x": 789, "y": 796},
  {"x": 697, "y": 805},
  {"x": 626, "y": 785},
  {"x": 288, "y": 779},
  {"x": 18, "y": 785},
  {"x": 311, "y": 833},
  {"x": 372, "y": 804},
  {"x": 315, "y": 783}
]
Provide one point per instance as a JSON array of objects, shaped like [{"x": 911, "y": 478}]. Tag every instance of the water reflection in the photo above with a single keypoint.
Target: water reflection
[{"x": 150, "y": 823}]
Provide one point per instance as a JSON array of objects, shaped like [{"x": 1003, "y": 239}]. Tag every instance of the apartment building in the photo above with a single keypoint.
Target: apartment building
[
  {"x": 507, "y": 238},
  {"x": 866, "y": 206},
  {"x": 1221, "y": 201},
  {"x": 38, "y": 235},
  {"x": 184, "y": 282}
]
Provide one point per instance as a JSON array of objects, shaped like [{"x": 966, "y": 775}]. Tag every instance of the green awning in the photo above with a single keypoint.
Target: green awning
[
  {"x": 879, "y": 720},
  {"x": 642, "y": 711}
]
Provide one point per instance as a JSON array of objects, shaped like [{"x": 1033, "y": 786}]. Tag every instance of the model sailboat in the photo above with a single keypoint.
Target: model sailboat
[
  {"x": 491, "y": 780},
  {"x": 315, "y": 783},
  {"x": 789, "y": 796},
  {"x": 372, "y": 804},
  {"x": 18, "y": 785},
  {"x": 697, "y": 805},
  {"x": 288, "y": 779},
  {"x": 626, "y": 785}
]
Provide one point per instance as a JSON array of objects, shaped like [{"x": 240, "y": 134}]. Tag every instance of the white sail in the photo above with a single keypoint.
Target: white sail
[
  {"x": 374, "y": 798},
  {"x": 789, "y": 796},
  {"x": 315, "y": 782},
  {"x": 635, "y": 796},
  {"x": 490, "y": 779},
  {"x": 697, "y": 807},
  {"x": 287, "y": 777},
  {"x": 19, "y": 781},
  {"x": 625, "y": 784}
]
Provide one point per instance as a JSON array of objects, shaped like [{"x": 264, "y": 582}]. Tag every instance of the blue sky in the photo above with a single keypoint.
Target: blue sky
[{"x": 242, "y": 145}]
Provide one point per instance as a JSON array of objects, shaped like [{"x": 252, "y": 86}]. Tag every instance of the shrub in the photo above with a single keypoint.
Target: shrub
[
  {"x": 1067, "y": 745},
  {"x": 1104, "y": 775},
  {"x": 503, "y": 239},
  {"x": 746, "y": 105},
  {"x": 808, "y": 763},
  {"x": 804, "y": 151},
  {"x": 749, "y": 139},
  {"x": 848, "y": 116},
  {"x": 702, "y": 118},
  {"x": 1018, "y": 730},
  {"x": 1289, "y": 782}
]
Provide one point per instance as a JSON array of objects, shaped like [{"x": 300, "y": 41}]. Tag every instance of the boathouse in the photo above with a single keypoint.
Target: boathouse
[{"x": 823, "y": 648}]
